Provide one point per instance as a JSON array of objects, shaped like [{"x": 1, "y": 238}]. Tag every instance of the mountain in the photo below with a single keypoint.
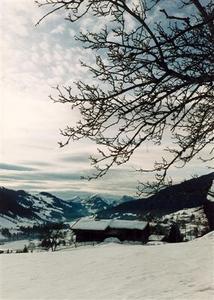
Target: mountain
[
  {"x": 119, "y": 200},
  {"x": 97, "y": 202},
  {"x": 20, "y": 207},
  {"x": 188, "y": 194},
  {"x": 126, "y": 198},
  {"x": 92, "y": 204}
]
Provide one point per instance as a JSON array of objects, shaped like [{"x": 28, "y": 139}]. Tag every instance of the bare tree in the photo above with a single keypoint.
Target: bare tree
[{"x": 154, "y": 79}]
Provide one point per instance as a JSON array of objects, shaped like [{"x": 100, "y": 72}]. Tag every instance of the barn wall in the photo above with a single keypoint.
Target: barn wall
[
  {"x": 129, "y": 234},
  {"x": 89, "y": 235},
  {"x": 121, "y": 234}
]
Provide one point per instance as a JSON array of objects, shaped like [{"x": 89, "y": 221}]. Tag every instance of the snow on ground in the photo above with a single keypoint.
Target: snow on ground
[
  {"x": 6, "y": 222},
  {"x": 112, "y": 272},
  {"x": 2, "y": 237},
  {"x": 186, "y": 213},
  {"x": 12, "y": 223},
  {"x": 16, "y": 245}
]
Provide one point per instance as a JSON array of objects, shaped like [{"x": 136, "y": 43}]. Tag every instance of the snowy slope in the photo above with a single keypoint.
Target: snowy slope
[
  {"x": 95, "y": 203},
  {"x": 22, "y": 208},
  {"x": 187, "y": 194},
  {"x": 92, "y": 204},
  {"x": 112, "y": 272},
  {"x": 7, "y": 222}
]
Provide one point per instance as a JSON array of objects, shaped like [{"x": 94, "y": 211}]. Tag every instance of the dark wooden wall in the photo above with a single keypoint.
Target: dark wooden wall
[{"x": 121, "y": 234}]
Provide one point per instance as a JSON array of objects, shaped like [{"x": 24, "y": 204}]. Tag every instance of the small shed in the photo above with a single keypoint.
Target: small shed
[
  {"x": 156, "y": 238},
  {"x": 99, "y": 230}
]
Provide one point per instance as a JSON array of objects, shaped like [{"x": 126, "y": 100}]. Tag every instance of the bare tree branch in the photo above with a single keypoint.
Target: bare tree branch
[{"x": 155, "y": 78}]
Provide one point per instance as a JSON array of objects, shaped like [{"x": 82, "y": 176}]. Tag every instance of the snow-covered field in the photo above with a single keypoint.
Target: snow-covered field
[
  {"x": 16, "y": 245},
  {"x": 112, "y": 272}
]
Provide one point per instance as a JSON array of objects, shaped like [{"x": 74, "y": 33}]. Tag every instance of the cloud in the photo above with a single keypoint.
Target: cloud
[
  {"x": 59, "y": 29},
  {"x": 77, "y": 158},
  {"x": 38, "y": 163},
  {"x": 11, "y": 167},
  {"x": 42, "y": 57},
  {"x": 46, "y": 176},
  {"x": 117, "y": 182}
]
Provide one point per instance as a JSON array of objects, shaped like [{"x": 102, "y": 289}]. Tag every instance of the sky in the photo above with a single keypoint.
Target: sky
[{"x": 34, "y": 59}]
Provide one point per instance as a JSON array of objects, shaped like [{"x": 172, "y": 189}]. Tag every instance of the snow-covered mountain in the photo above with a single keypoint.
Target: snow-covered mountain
[
  {"x": 22, "y": 208},
  {"x": 92, "y": 204},
  {"x": 189, "y": 204},
  {"x": 193, "y": 193},
  {"x": 126, "y": 198},
  {"x": 102, "y": 202},
  {"x": 120, "y": 200}
]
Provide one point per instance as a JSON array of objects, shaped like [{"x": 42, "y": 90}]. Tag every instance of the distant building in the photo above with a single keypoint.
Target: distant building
[
  {"x": 156, "y": 238},
  {"x": 99, "y": 230}
]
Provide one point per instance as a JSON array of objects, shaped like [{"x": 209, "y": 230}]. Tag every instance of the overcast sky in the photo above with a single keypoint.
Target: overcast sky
[{"x": 32, "y": 61}]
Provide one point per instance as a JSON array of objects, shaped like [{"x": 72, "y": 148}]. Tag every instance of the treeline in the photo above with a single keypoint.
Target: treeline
[{"x": 36, "y": 231}]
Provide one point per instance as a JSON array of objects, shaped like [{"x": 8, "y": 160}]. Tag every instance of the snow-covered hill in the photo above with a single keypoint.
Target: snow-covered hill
[
  {"x": 22, "y": 208},
  {"x": 92, "y": 204},
  {"x": 181, "y": 271},
  {"x": 188, "y": 194}
]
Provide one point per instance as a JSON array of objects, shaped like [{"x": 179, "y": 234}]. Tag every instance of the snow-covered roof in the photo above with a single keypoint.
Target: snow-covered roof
[
  {"x": 126, "y": 224},
  {"x": 156, "y": 237},
  {"x": 88, "y": 224}
]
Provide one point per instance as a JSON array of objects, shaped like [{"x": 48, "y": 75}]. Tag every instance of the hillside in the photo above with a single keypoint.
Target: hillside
[
  {"x": 188, "y": 194},
  {"x": 92, "y": 204},
  {"x": 112, "y": 271},
  {"x": 20, "y": 207}
]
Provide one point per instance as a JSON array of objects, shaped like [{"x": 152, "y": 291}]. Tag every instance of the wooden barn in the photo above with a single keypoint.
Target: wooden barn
[{"x": 98, "y": 230}]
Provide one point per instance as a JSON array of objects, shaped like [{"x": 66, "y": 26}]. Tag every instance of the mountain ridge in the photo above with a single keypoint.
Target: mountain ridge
[
  {"x": 21, "y": 206},
  {"x": 188, "y": 194}
]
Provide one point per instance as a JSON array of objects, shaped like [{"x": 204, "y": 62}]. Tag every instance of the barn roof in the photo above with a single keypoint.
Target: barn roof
[
  {"x": 89, "y": 224},
  {"x": 126, "y": 224}
]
